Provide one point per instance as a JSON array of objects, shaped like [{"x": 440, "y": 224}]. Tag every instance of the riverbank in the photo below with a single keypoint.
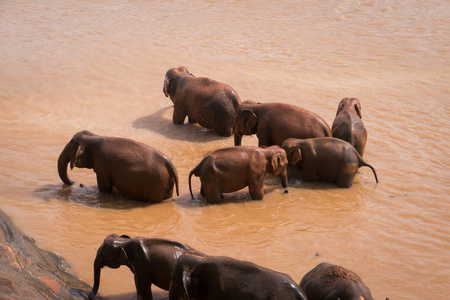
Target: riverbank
[{"x": 28, "y": 272}]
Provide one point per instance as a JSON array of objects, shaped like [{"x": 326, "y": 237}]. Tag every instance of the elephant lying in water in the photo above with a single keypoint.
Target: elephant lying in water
[
  {"x": 231, "y": 169},
  {"x": 201, "y": 277},
  {"x": 331, "y": 282},
  {"x": 209, "y": 103},
  {"x": 150, "y": 260},
  {"x": 328, "y": 158},
  {"x": 137, "y": 170}
]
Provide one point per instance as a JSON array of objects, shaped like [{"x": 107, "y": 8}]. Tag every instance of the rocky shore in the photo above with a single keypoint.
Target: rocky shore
[{"x": 28, "y": 272}]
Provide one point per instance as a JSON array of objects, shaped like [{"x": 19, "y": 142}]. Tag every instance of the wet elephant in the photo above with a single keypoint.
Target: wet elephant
[
  {"x": 209, "y": 103},
  {"x": 274, "y": 122},
  {"x": 331, "y": 282},
  {"x": 201, "y": 277},
  {"x": 348, "y": 124},
  {"x": 328, "y": 158},
  {"x": 150, "y": 259},
  {"x": 231, "y": 169},
  {"x": 137, "y": 170}
]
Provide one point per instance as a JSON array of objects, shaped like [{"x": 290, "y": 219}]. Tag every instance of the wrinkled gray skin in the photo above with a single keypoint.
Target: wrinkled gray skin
[
  {"x": 231, "y": 169},
  {"x": 348, "y": 124},
  {"x": 328, "y": 158},
  {"x": 275, "y": 122},
  {"x": 201, "y": 277},
  {"x": 137, "y": 170},
  {"x": 150, "y": 259},
  {"x": 331, "y": 282},
  {"x": 209, "y": 103}
]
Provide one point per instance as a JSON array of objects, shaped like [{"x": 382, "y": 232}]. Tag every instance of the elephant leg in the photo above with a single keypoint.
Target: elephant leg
[
  {"x": 256, "y": 188},
  {"x": 143, "y": 288},
  {"x": 213, "y": 193},
  {"x": 202, "y": 190},
  {"x": 345, "y": 180},
  {"x": 191, "y": 120},
  {"x": 104, "y": 184},
  {"x": 178, "y": 116},
  {"x": 257, "y": 193}
]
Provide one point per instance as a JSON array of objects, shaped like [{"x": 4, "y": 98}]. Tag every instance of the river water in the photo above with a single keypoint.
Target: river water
[{"x": 67, "y": 66}]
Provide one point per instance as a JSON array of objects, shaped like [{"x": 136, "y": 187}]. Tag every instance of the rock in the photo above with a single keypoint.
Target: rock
[{"x": 28, "y": 272}]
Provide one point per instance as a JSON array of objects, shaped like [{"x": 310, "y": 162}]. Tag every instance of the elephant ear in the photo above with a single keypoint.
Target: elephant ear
[
  {"x": 250, "y": 120},
  {"x": 82, "y": 158},
  {"x": 78, "y": 154},
  {"x": 340, "y": 107},
  {"x": 169, "y": 87},
  {"x": 294, "y": 155},
  {"x": 358, "y": 109},
  {"x": 186, "y": 283},
  {"x": 275, "y": 161}
]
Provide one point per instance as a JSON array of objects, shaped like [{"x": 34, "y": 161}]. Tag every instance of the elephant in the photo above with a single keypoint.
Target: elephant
[
  {"x": 203, "y": 277},
  {"x": 275, "y": 122},
  {"x": 137, "y": 170},
  {"x": 327, "y": 158},
  {"x": 331, "y": 282},
  {"x": 348, "y": 124},
  {"x": 231, "y": 169},
  {"x": 209, "y": 103},
  {"x": 150, "y": 259}
]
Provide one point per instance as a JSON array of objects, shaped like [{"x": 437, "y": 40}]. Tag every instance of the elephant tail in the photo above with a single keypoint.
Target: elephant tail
[
  {"x": 195, "y": 171},
  {"x": 362, "y": 163},
  {"x": 173, "y": 174}
]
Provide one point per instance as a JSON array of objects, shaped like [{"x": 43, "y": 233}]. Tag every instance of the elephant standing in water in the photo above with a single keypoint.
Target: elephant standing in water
[
  {"x": 275, "y": 122},
  {"x": 209, "y": 103},
  {"x": 331, "y": 282},
  {"x": 201, "y": 277},
  {"x": 231, "y": 169},
  {"x": 328, "y": 158},
  {"x": 150, "y": 260},
  {"x": 348, "y": 124},
  {"x": 137, "y": 170}
]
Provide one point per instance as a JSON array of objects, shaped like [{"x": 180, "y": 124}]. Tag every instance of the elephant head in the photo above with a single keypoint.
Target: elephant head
[
  {"x": 293, "y": 152},
  {"x": 351, "y": 104},
  {"x": 245, "y": 124},
  {"x": 76, "y": 152},
  {"x": 110, "y": 254},
  {"x": 171, "y": 80},
  {"x": 276, "y": 163},
  {"x": 187, "y": 276}
]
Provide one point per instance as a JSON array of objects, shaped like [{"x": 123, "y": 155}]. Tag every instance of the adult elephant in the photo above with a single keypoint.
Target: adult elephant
[
  {"x": 331, "y": 282},
  {"x": 137, "y": 170},
  {"x": 209, "y": 103},
  {"x": 150, "y": 259},
  {"x": 201, "y": 277},
  {"x": 231, "y": 169},
  {"x": 275, "y": 122},
  {"x": 348, "y": 124},
  {"x": 327, "y": 158}
]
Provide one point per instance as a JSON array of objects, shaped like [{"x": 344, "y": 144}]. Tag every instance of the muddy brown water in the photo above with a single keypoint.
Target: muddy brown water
[{"x": 67, "y": 66}]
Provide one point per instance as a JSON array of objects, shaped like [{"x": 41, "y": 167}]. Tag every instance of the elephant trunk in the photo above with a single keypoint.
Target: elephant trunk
[
  {"x": 283, "y": 177},
  {"x": 63, "y": 161},
  {"x": 97, "y": 271},
  {"x": 237, "y": 139}
]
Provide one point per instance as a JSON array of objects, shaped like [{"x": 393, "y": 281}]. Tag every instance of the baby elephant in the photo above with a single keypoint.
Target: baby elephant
[
  {"x": 231, "y": 169},
  {"x": 331, "y": 282},
  {"x": 137, "y": 170},
  {"x": 202, "y": 277},
  {"x": 327, "y": 158},
  {"x": 150, "y": 260},
  {"x": 348, "y": 124}
]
